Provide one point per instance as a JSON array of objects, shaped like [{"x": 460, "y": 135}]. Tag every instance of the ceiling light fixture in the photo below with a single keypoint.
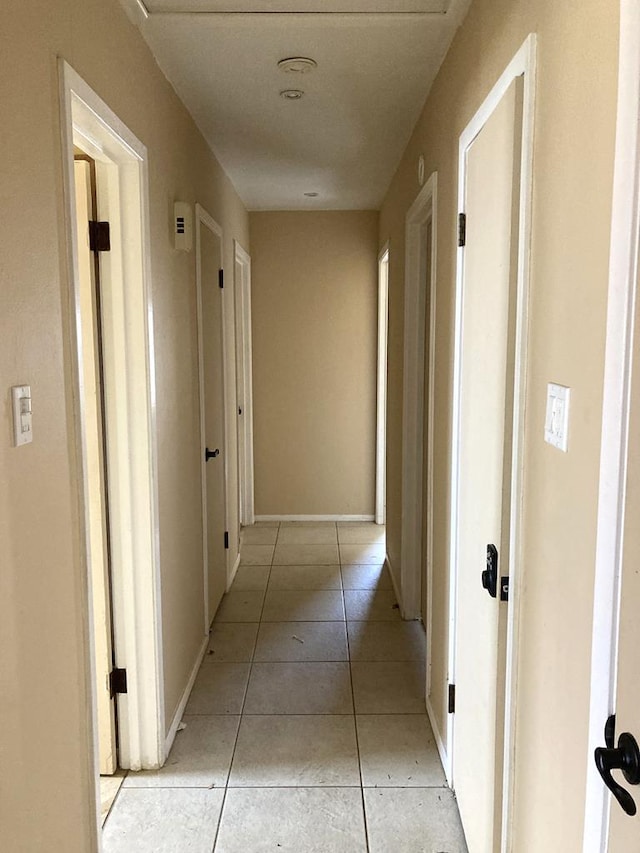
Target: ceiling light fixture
[
  {"x": 292, "y": 94},
  {"x": 297, "y": 64},
  {"x": 312, "y": 195}
]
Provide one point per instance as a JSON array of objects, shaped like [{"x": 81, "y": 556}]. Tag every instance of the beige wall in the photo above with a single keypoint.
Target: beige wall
[
  {"x": 314, "y": 308},
  {"x": 45, "y": 786},
  {"x": 574, "y": 138}
]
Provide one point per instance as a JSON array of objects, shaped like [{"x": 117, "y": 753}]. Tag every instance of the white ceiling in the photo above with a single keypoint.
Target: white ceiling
[{"x": 344, "y": 138}]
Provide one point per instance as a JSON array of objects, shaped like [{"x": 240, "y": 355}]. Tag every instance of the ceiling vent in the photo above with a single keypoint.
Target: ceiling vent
[{"x": 297, "y": 65}]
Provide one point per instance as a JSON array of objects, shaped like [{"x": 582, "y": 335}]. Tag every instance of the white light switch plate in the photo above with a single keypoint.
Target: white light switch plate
[
  {"x": 22, "y": 428},
  {"x": 556, "y": 424}
]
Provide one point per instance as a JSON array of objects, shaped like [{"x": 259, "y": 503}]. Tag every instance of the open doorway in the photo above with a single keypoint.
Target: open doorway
[
  {"x": 418, "y": 421},
  {"x": 91, "y": 243},
  {"x": 419, "y": 358}
]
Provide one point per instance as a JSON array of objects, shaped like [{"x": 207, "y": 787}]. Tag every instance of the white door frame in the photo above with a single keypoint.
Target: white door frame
[
  {"x": 624, "y": 263},
  {"x": 205, "y": 219},
  {"x": 423, "y": 209},
  {"x": 121, "y": 167},
  {"x": 523, "y": 63},
  {"x": 244, "y": 382},
  {"x": 381, "y": 399}
]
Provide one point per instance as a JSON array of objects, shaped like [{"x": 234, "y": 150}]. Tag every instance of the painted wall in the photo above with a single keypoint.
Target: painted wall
[
  {"x": 314, "y": 308},
  {"x": 573, "y": 168},
  {"x": 46, "y": 790}
]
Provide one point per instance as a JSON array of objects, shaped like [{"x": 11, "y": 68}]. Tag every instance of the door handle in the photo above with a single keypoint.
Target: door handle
[
  {"x": 210, "y": 454},
  {"x": 490, "y": 574},
  {"x": 624, "y": 757}
]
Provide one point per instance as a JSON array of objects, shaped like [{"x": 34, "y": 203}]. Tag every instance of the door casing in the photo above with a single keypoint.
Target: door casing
[
  {"x": 620, "y": 340},
  {"x": 244, "y": 383},
  {"x": 122, "y": 175}
]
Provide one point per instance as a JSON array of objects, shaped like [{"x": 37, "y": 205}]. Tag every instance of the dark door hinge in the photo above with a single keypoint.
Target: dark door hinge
[
  {"x": 117, "y": 681},
  {"x": 462, "y": 229},
  {"x": 452, "y": 698},
  {"x": 220, "y": 279},
  {"x": 226, "y": 540},
  {"x": 99, "y": 236}
]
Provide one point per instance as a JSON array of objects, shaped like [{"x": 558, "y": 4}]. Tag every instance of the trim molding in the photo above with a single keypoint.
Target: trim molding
[
  {"x": 177, "y": 717},
  {"x": 137, "y": 612},
  {"x": 244, "y": 382},
  {"x": 625, "y": 250}
]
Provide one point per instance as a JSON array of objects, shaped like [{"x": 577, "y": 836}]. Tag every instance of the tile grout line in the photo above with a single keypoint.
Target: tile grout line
[
  {"x": 244, "y": 699},
  {"x": 243, "y": 713},
  {"x": 355, "y": 719}
]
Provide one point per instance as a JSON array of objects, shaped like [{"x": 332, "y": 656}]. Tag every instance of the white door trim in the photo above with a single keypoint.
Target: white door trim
[
  {"x": 121, "y": 165},
  {"x": 413, "y": 407},
  {"x": 204, "y": 218},
  {"x": 381, "y": 399},
  {"x": 623, "y": 270},
  {"x": 523, "y": 63},
  {"x": 244, "y": 381}
]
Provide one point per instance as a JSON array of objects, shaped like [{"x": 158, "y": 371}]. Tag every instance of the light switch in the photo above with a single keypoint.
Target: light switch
[
  {"x": 556, "y": 425},
  {"x": 22, "y": 426}
]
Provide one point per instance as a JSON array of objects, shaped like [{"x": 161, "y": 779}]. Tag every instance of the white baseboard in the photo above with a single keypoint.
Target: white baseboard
[
  {"x": 314, "y": 517},
  {"x": 444, "y": 758},
  {"x": 232, "y": 574},
  {"x": 171, "y": 736}
]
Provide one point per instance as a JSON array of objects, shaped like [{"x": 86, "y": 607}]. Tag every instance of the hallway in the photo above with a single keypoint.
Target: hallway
[{"x": 308, "y": 704}]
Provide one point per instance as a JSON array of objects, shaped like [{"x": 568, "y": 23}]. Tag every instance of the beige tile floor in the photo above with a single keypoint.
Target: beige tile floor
[{"x": 306, "y": 730}]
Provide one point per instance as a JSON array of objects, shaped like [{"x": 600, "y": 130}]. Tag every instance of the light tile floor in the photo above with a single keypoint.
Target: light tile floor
[{"x": 306, "y": 730}]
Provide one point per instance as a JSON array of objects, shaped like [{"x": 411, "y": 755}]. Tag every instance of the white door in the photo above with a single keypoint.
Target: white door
[
  {"x": 210, "y": 249},
  {"x": 95, "y": 501},
  {"x": 483, "y": 476},
  {"x": 624, "y": 829}
]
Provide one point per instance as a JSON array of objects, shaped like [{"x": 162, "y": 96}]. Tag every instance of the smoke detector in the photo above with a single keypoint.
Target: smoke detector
[
  {"x": 292, "y": 94},
  {"x": 297, "y": 65}
]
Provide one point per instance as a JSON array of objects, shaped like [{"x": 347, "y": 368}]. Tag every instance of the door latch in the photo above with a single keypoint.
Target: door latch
[
  {"x": 624, "y": 757},
  {"x": 490, "y": 574}
]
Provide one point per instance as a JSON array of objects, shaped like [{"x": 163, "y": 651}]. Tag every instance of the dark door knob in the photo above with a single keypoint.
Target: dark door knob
[
  {"x": 624, "y": 757},
  {"x": 490, "y": 574},
  {"x": 210, "y": 454}
]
